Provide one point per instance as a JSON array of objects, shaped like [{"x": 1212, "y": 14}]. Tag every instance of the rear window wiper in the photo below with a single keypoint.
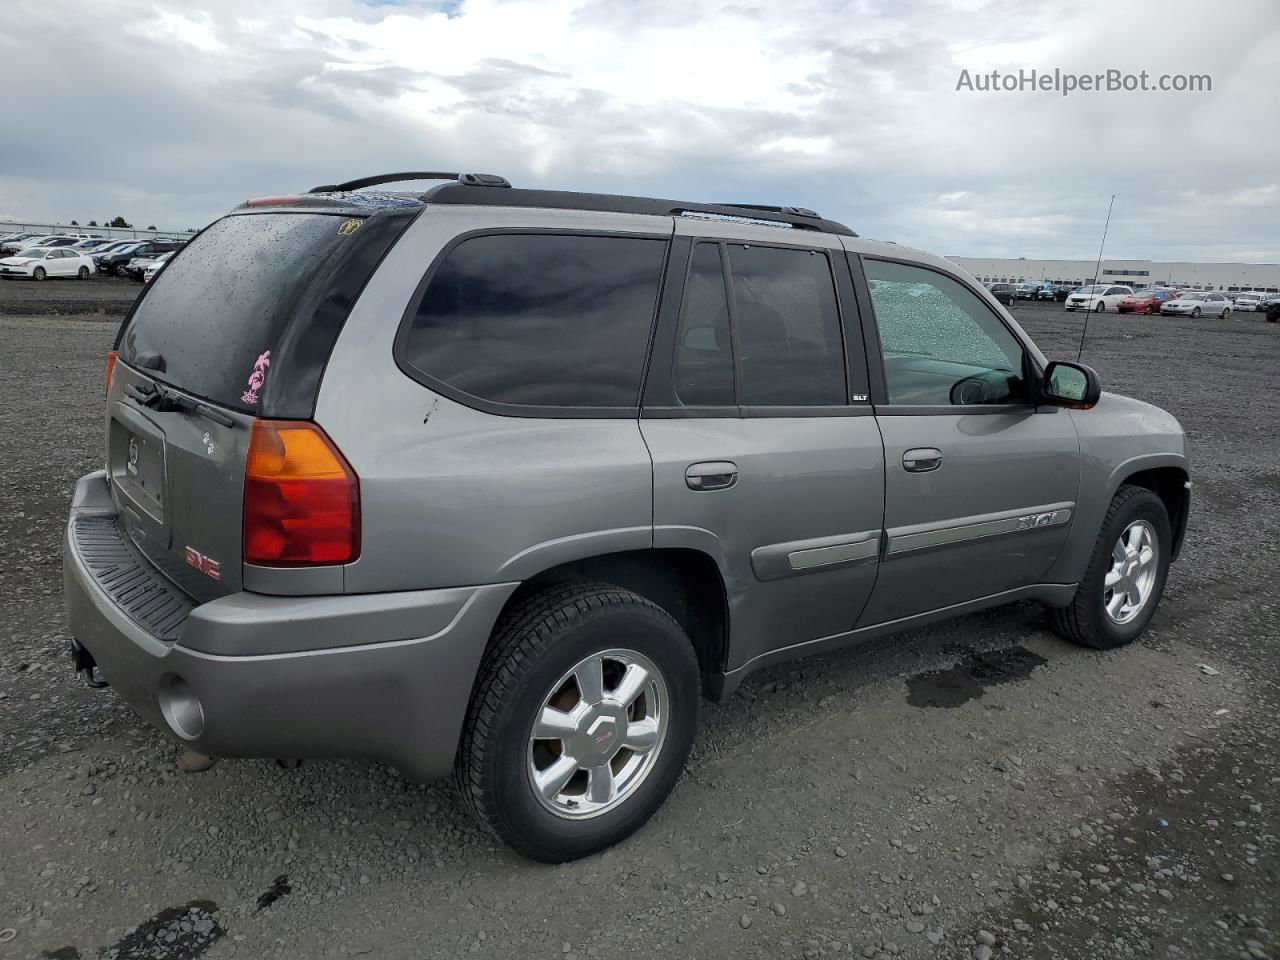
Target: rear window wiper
[{"x": 163, "y": 400}]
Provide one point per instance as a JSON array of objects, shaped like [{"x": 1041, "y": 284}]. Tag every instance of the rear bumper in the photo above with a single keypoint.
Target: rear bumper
[{"x": 377, "y": 676}]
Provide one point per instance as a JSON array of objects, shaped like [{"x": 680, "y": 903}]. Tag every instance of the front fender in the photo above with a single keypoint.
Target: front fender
[{"x": 1119, "y": 438}]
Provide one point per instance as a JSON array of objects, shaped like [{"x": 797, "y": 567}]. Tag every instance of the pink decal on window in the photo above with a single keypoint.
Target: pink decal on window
[{"x": 257, "y": 378}]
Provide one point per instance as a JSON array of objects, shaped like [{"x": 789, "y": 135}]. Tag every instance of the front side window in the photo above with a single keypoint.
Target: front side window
[
  {"x": 941, "y": 345},
  {"x": 549, "y": 320}
]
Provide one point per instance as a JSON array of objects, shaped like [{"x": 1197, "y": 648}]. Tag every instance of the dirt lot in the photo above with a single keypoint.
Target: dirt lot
[
  {"x": 975, "y": 789},
  {"x": 109, "y": 296}
]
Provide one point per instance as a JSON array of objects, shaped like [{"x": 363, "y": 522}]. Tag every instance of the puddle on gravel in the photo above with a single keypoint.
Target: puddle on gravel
[
  {"x": 279, "y": 888},
  {"x": 178, "y": 933},
  {"x": 970, "y": 678}
]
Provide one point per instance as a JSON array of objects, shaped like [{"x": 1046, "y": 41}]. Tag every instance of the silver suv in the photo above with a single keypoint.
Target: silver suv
[{"x": 502, "y": 482}]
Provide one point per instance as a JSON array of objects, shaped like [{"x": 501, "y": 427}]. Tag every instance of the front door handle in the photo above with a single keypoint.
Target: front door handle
[
  {"x": 711, "y": 475},
  {"x": 922, "y": 459}
]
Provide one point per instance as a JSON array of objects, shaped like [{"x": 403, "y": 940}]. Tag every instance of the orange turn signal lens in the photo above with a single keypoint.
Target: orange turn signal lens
[{"x": 111, "y": 367}]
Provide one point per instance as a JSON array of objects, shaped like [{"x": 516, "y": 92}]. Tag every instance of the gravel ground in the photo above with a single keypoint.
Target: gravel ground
[
  {"x": 971, "y": 790},
  {"x": 110, "y": 296}
]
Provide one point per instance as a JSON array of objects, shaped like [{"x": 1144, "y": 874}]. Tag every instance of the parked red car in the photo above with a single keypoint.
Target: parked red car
[{"x": 1144, "y": 301}]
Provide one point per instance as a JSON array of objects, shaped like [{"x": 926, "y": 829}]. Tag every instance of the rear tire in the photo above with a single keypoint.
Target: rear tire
[
  {"x": 530, "y": 671},
  {"x": 83, "y": 273},
  {"x": 1096, "y": 617}
]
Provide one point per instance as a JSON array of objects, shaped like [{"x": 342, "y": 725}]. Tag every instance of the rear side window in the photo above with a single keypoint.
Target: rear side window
[
  {"x": 788, "y": 327},
  {"x": 211, "y": 318},
  {"x": 781, "y": 325},
  {"x": 540, "y": 320}
]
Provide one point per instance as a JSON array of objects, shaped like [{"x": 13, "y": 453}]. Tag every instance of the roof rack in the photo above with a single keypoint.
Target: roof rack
[
  {"x": 471, "y": 179},
  {"x": 461, "y": 190},
  {"x": 799, "y": 218},
  {"x": 793, "y": 211}
]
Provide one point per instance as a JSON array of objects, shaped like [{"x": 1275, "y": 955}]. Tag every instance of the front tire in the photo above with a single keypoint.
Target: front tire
[
  {"x": 1101, "y": 307},
  {"x": 120, "y": 271},
  {"x": 1195, "y": 313},
  {"x": 1125, "y": 579},
  {"x": 38, "y": 273},
  {"x": 581, "y": 720}
]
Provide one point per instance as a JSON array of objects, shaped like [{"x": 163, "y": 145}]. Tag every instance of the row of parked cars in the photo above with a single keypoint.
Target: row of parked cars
[
  {"x": 1100, "y": 297},
  {"x": 37, "y": 257},
  {"x": 1169, "y": 302}
]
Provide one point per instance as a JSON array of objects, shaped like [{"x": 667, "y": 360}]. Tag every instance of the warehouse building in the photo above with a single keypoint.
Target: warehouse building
[{"x": 1228, "y": 277}]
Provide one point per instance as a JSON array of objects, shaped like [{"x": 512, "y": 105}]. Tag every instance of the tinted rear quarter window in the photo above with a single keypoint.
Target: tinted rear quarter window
[
  {"x": 217, "y": 308},
  {"x": 540, "y": 320}
]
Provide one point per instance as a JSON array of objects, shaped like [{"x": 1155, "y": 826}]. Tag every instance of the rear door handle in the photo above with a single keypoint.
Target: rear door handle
[
  {"x": 922, "y": 459},
  {"x": 711, "y": 475}
]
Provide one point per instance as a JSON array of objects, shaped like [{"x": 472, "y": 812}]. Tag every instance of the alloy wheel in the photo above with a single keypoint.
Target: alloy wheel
[
  {"x": 1131, "y": 575},
  {"x": 598, "y": 734}
]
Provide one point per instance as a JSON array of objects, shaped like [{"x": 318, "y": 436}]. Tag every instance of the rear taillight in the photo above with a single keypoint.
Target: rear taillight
[
  {"x": 301, "y": 498},
  {"x": 111, "y": 367}
]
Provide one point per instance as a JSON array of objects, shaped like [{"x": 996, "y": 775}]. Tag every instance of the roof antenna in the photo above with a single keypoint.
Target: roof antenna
[{"x": 1096, "y": 274}]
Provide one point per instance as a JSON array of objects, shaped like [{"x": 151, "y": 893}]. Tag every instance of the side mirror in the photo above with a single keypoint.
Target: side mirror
[{"x": 1071, "y": 385}]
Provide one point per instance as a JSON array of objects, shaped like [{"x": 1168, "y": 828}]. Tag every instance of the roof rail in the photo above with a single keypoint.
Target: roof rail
[
  {"x": 799, "y": 218},
  {"x": 470, "y": 179},
  {"x": 792, "y": 211}
]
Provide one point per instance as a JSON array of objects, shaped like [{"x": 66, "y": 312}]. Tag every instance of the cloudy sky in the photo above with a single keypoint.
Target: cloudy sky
[{"x": 171, "y": 113}]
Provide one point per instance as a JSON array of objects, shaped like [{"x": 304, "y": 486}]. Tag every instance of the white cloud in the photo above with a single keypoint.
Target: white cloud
[{"x": 847, "y": 108}]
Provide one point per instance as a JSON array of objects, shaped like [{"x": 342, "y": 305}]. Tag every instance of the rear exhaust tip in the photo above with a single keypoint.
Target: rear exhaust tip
[{"x": 180, "y": 707}]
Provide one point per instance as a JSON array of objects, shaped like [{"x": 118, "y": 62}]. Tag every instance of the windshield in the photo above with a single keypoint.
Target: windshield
[
  {"x": 1193, "y": 296},
  {"x": 1094, "y": 289},
  {"x": 34, "y": 253}
]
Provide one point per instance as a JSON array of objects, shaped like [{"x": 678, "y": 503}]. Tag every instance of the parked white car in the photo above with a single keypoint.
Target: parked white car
[
  {"x": 1197, "y": 303},
  {"x": 36, "y": 263},
  {"x": 1097, "y": 297},
  {"x": 1249, "y": 301},
  {"x": 154, "y": 266}
]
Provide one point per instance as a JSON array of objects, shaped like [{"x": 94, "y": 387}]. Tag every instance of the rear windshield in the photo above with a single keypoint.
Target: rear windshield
[{"x": 209, "y": 321}]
